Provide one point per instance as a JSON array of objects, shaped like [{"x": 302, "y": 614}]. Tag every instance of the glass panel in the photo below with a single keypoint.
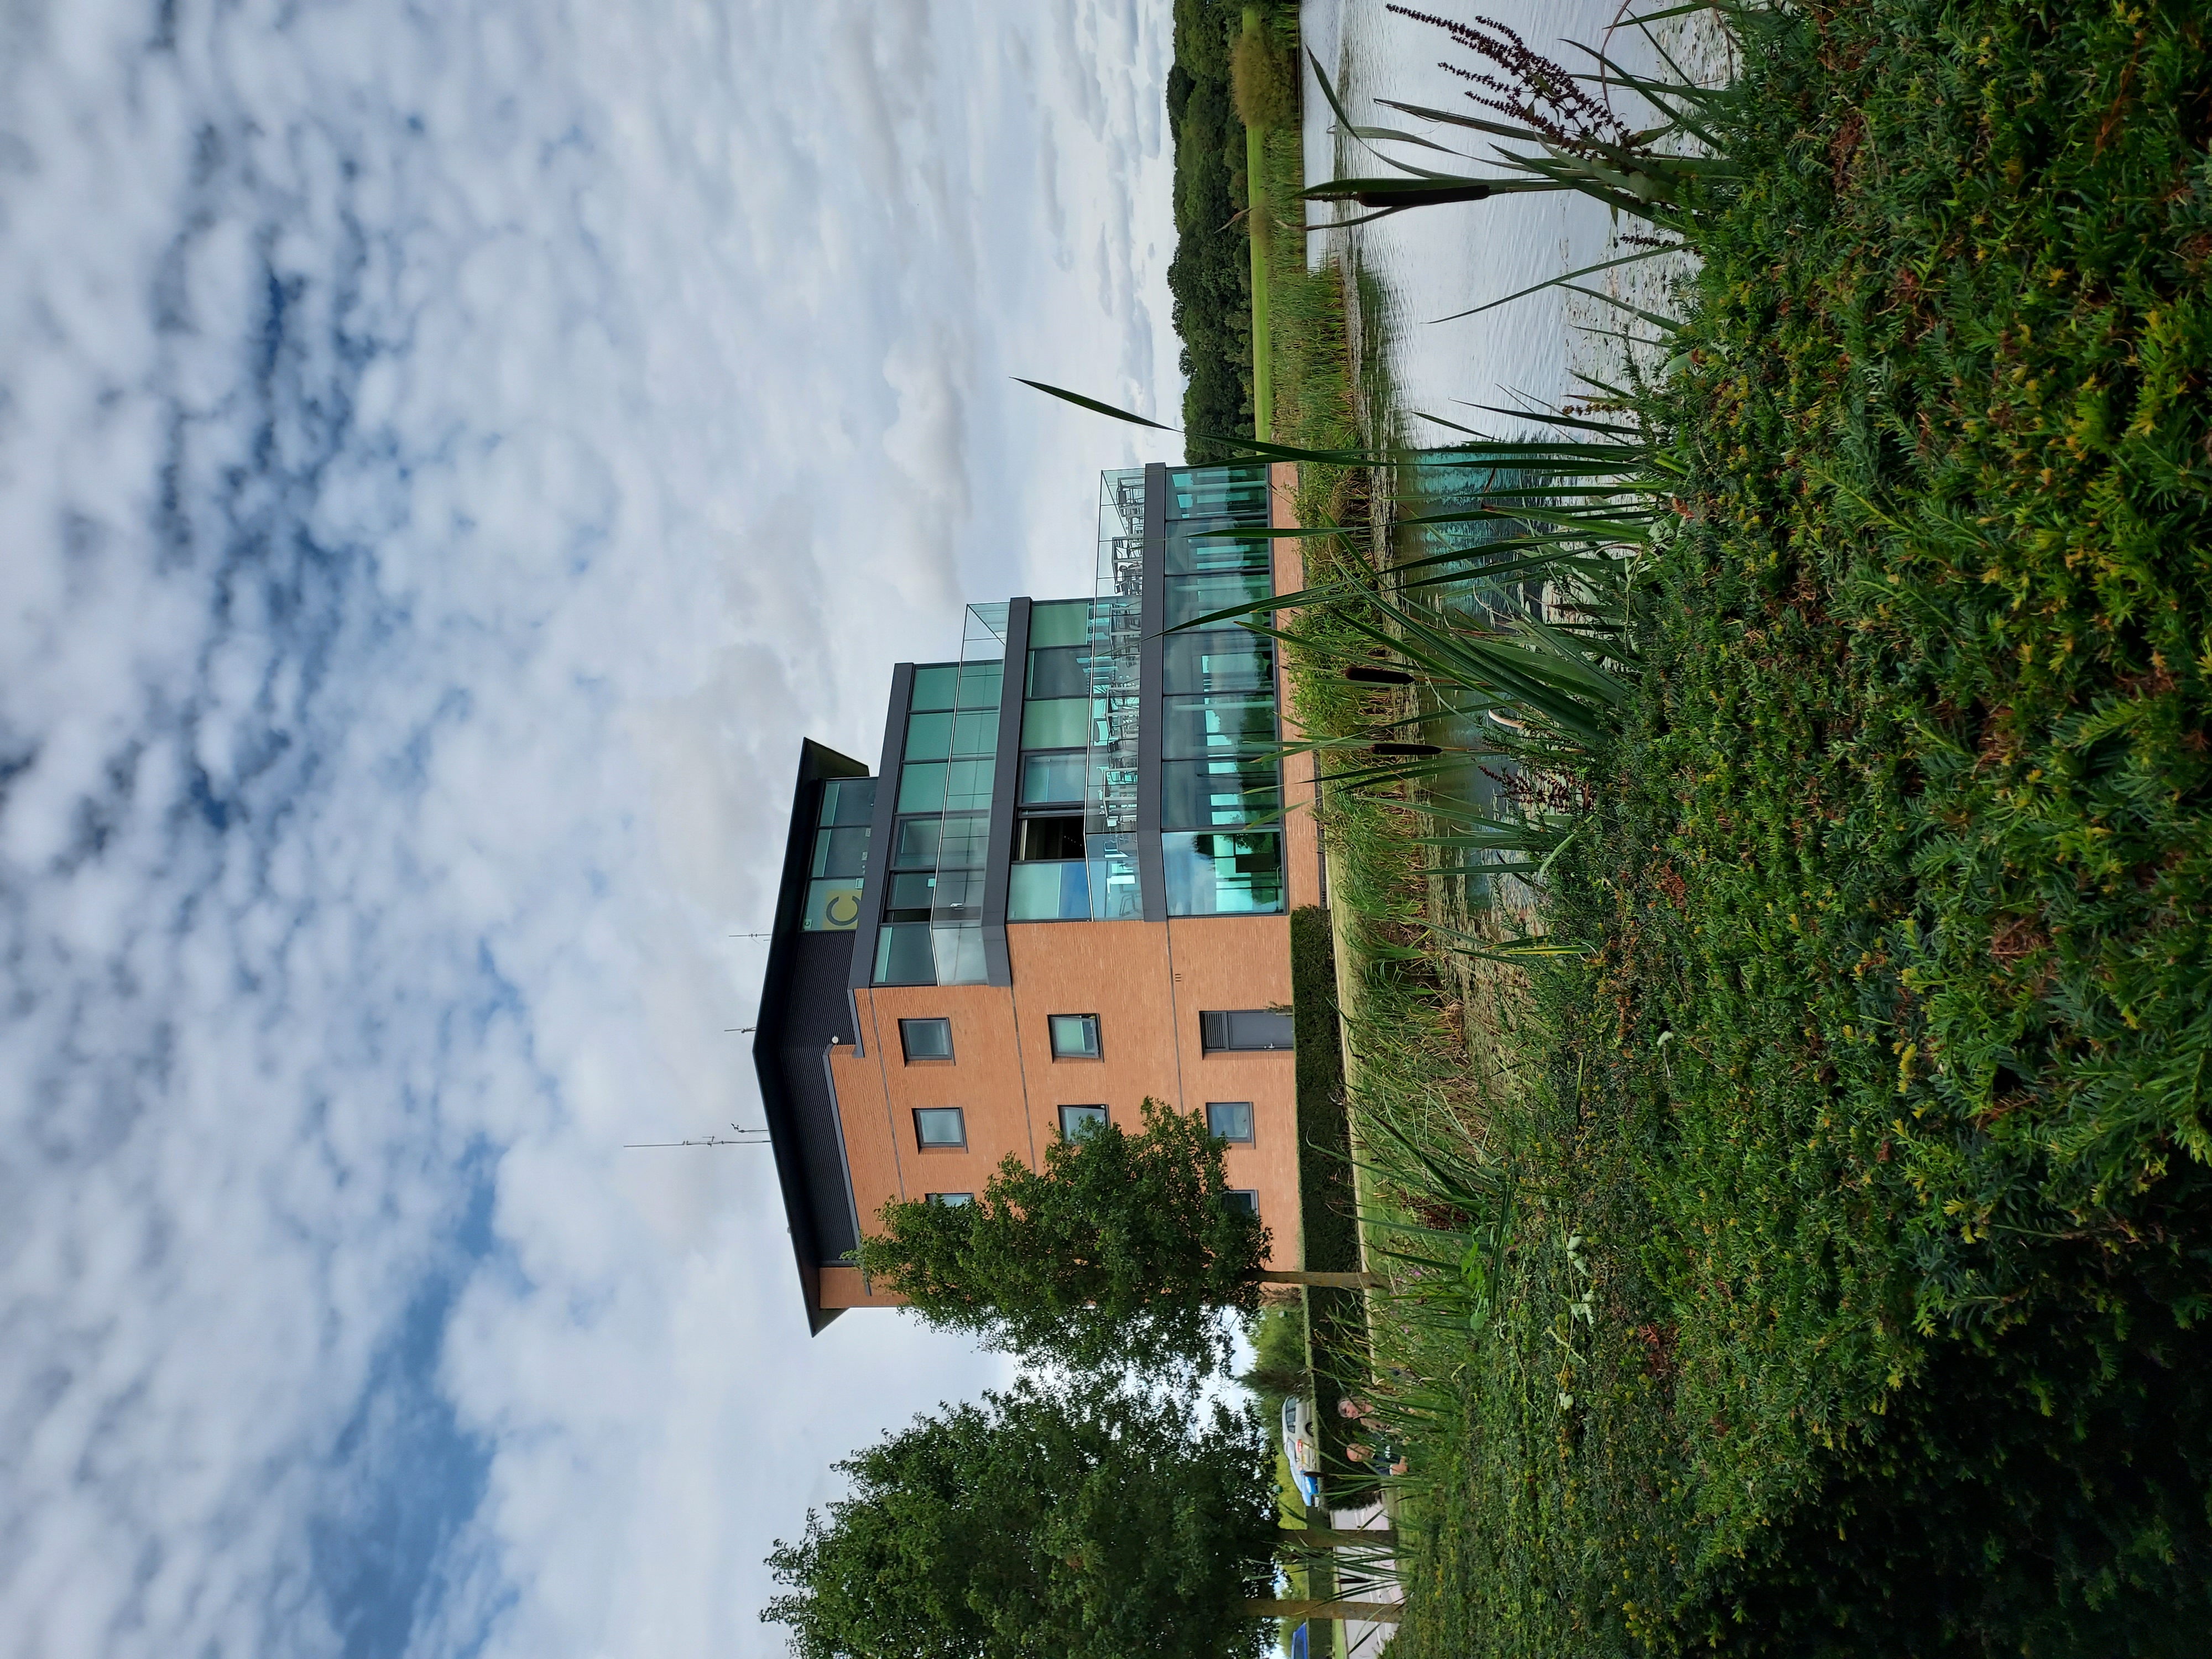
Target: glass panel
[
  {"x": 1191, "y": 597},
  {"x": 832, "y": 907},
  {"x": 1061, "y": 622},
  {"x": 1060, "y": 673},
  {"x": 848, "y": 800},
  {"x": 910, "y": 894},
  {"x": 1198, "y": 545},
  {"x": 935, "y": 686},
  {"x": 1229, "y": 1119},
  {"x": 926, "y": 1039},
  {"x": 1202, "y": 794},
  {"x": 1241, "y": 1200},
  {"x": 1058, "y": 723},
  {"x": 939, "y": 1126},
  {"x": 1114, "y": 894},
  {"x": 949, "y": 1200},
  {"x": 956, "y": 895},
  {"x": 1049, "y": 840},
  {"x": 921, "y": 788},
  {"x": 1223, "y": 874},
  {"x": 961, "y": 842},
  {"x": 1074, "y": 1037},
  {"x": 840, "y": 852},
  {"x": 1234, "y": 661},
  {"x": 980, "y": 681},
  {"x": 1050, "y": 778},
  {"x": 1228, "y": 722},
  {"x": 1048, "y": 892},
  {"x": 1204, "y": 491},
  {"x": 957, "y": 950},
  {"x": 915, "y": 843},
  {"x": 975, "y": 733},
  {"x": 968, "y": 785},
  {"x": 1076, "y": 1121},
  {"x": 928, "y": 736},
  {"x": 902, "y": 955}
]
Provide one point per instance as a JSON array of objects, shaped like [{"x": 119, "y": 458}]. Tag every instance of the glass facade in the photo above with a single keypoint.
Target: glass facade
[
  {"x": 1083, "y": 728},
  {"x": 838, "y": 870},
  {"x": 933, "y": 931}
]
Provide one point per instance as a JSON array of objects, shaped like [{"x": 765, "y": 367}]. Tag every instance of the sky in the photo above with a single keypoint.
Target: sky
[{"x": 451, "y": 452}]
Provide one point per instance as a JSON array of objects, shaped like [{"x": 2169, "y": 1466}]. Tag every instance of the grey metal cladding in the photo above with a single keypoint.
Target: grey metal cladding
[
  {"x": 879, "y": 834},
  {"x": 815, "y": 1016},
  {"x": 1152, "y": 873},
  {"x": 999, "y": 846}
]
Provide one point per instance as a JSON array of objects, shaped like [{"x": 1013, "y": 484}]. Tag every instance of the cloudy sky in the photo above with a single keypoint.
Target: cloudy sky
[{"x": 450, "y": 453}]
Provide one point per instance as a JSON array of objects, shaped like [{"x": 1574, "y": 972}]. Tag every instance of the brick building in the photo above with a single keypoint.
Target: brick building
[{"x": 1065, "y": 888}]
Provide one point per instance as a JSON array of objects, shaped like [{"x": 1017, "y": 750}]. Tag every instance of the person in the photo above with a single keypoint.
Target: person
[{"x": 1380, "y": 1452}]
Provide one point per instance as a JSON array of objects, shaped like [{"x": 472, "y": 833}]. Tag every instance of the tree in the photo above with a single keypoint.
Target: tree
[
  {"x": 1121, "y": 1250},
  {"x": 1092, "y": 1520}
]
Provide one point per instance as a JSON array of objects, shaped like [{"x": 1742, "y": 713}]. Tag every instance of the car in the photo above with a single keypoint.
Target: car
[{"x": 1302, "y": 1447}]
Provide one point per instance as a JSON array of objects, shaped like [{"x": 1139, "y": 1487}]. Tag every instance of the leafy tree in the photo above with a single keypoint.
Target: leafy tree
[
  {"x": 1089, "y": 1521},
  {"x": 1121, "y": 1250}
]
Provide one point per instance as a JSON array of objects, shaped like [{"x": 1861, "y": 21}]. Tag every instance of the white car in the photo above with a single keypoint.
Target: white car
[{"x": 1302, "y": 1447}]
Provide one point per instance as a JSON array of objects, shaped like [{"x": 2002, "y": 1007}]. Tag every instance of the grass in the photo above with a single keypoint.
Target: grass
[{"x": 1819, "y": 1257}]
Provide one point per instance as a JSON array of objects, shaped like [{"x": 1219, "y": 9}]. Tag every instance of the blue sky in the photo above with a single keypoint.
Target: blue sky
[{"x": 449, "y": 456}]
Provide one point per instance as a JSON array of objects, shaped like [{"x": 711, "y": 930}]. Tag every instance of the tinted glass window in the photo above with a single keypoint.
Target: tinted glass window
[
  {"x": 926, "y": 1039},
  {"x": 1200, "y": 795},
  {"x": 1058, "y": 723},
  {"x": 1226, "y": 723},
  {"x": 935, "y": 686},
  {"x": 1062, "y": 622},
  {"x": 1244, "y": 1201},
  {"x": 915, "y": 843},
  {"x": 1048, "y": 778},
  {"x": 1076, "y": 1121},
  {"x": 1063, "y": 672},
  {"x": 1223, "y": 872},
  {"x": 1191, "y": 597},
  {"x": 1048, "y": 892},
  {"x": 951, "y": 1200},
  {"x": 1231, "y": 661},
  {"x": 840, "y": 852},
  {"x": 848, "y": 800},
  {"x": 903, "y": 955}
]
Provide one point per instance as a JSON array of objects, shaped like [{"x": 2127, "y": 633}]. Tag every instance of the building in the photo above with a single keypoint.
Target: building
[{"x": 1065, "y": 888}]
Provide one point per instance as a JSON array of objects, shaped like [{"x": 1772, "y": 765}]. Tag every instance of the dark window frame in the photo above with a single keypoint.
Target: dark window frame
[
  {"x": 906, "y": 1049},
  {"x": 1105, "y": 1115},
  {"x": 1098, "y": 1046},
  {"x": 928, "y": 1146},
  {"x": 1245, "y": 1199},
  {"x": 1217, "y": 1035},
  {"x": 1251, "y": 1134}
]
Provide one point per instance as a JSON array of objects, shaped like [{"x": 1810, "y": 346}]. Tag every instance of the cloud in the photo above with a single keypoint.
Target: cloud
[{"x": 448, "y": 457}]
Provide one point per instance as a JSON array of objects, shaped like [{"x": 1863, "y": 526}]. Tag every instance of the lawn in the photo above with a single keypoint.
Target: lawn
[{"x": 1835, "y": 1215}]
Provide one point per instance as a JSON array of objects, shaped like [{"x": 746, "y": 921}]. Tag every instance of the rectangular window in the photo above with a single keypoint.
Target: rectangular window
[
  {"x": 1190, "y": 597},
  {"x": 1235, "y": 1029},
  {"x": 1076, "y": 1121},
  {"x": 1226, "y": 723},
  {"x": 925, "y": 1039},
  {"x": 936, "y": 685},
  {"x": 1074, "y": 1037},
  {"x": 1231, "y": 661},
  {"x": 1063, "y": 672},
  {"x": 1198, "y": 546},
  {"x": 1242, "y": 1200},
  {"x": 1056, "y": 723},
  {"x": 1229, "y": 1119},
  {"x": 1049, "y": 840},
  {"x": 949, "y": 1200},
  {"x": 848, "y": 800},
  {"x": 1051, "y": 780},
  {"x": 1206, "y": 794},
  {"x": 903, "y": 955},
  {"x": 1060, "y": 621},
  {"x": 939, "y": 1126},
  {"x": 1048, "y": 892},
  {"x": 1223, "y": 872}
]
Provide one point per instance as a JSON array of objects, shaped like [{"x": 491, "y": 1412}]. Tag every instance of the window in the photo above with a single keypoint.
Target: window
[
  {"x": 1241, "y": 1200},
  {"x": 1228, "y": 789},
  {"x": 1223, "y": 872},
  {"x": 925, "y": 1039},
  {"x": 1060, "y": 621},
  {"x": 1048, "y": 840},
  {"x": 1056, "y": 723},
  {"x": 1076, "y": 1121},
  {"x": 1238, "y": 1028},
  {"x": 1074, "y": 1037},
  {"x": 1228, "y": 1119},
  {"x": 1048, "y": 892},
  {"x": 1209, "y": 662},
  {"x": 949, "y": 1200},
  {"x": 939, "y": 1126},
  {"x": 1049, "y": 779}
]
